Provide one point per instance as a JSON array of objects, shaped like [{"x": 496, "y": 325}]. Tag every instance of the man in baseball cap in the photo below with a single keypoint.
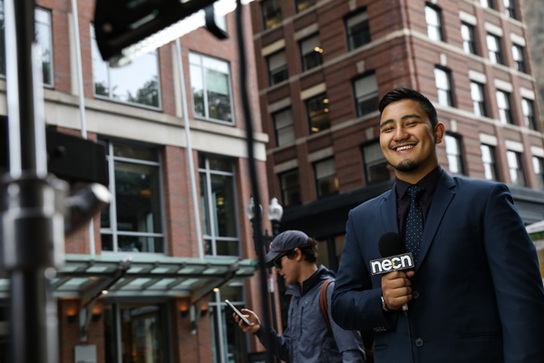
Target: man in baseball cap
[
  {"x": 312, "y": 337},
  {"x": 284, "y": 243}
]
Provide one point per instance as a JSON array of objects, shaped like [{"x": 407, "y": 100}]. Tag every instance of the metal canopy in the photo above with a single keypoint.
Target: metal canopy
[{"x": 87, "y": 276}]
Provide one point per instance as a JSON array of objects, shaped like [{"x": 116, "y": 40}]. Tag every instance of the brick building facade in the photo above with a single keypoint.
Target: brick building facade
[
  {"x": 323, "y": 66},
  {"x": 143, "y": 285}
]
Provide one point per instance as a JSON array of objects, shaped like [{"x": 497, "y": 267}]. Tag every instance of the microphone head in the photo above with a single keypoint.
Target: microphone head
[{"x": 391, "y": 244}]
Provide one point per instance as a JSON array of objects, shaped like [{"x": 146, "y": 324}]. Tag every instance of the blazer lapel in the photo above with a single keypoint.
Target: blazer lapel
[
  {"x": 388, "y": 211},
  {"x": 443, "y": 195}
]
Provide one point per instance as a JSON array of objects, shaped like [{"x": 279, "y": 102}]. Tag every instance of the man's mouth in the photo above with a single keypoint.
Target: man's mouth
[{"x": 404, "y": 147}]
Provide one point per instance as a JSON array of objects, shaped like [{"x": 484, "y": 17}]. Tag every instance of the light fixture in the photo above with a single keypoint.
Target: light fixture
[
  {"x": 126, "y": 29},
  {"x": 275, "y": 210},
  {"x": 184, "y": 305}
]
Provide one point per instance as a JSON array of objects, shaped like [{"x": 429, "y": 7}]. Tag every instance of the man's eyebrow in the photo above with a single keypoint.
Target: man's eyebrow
[{"x": 403, "y": 118}]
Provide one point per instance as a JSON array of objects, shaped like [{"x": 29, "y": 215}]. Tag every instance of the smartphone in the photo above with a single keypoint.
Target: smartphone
[{"x": 238, "y": 312}]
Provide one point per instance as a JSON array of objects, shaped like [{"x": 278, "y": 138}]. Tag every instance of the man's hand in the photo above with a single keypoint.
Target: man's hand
[
  {"x": 252, "y": 317},
  {"x": 396, "y": 290}
]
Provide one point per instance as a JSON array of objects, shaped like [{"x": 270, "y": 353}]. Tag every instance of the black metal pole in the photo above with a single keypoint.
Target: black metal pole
[{"x": 31, "y": 202}]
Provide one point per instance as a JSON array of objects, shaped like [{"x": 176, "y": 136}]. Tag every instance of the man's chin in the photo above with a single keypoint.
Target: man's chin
[{"x": 405, "y": 166}]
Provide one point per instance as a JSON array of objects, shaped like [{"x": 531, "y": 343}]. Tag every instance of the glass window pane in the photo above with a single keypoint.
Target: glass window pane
[
  {"x": 136, "y": 198},
  {"x": 210, "y": 85},
  {"x": 358, "y": 30},
  {"x": 318, "y": 113}
]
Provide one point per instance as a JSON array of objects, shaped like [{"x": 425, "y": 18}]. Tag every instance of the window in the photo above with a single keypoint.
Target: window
[
  {"x": 519, "y": 58},
  {"x": 304, "y": 4},
  {"x": 283, "y": 126},
  {"x": 528, "y": 109},
  {"x": 505, "y": 111},
  {"x": 136, "y": 332},
  {"x": 489, "y": 161},
  {"x": 133, "y": 222},
  {"x": 43, "y": 37},
  {"x": 478, "y": 98},
  {"x": 538, "y": 165},
  {"x": 488, "y": 4},
  {"x": 366, "y": 94},
  {"x": 510, "y": 8},
  {"x": 210, "y": 83},
  {"x": 325, "y": 178},
  {"x": 290, "y": 188},
  {"x": 358, "y": 30},
  {"x": 136, "y": 83},
  {"x": 376, "y": 167},
  {"x": 443, "y": 86},
  {"x": 229, "y": 342},
  {"x": 318, "y": 113},
  {"x": 271, "y": 13},
  {"x": 469, "y": 38},
  {"x": 277, "y": 67},
  {"x": 434, "y": 23},
  {"x": 218, "y": 205},
  {"x": 311, "y": 52},
  {"x": 516, "y": 167},
  {"x": 455, "y": 156},
  {"x": 494, "y": 48}
]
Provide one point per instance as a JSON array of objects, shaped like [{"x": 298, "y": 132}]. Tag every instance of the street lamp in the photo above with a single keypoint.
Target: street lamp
[{"x": 275, "y": 212}]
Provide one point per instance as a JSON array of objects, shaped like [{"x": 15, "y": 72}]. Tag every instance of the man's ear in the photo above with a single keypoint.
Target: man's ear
[
  {"x": 298, "y": 254},
  {"x": 439, "y": 130}
]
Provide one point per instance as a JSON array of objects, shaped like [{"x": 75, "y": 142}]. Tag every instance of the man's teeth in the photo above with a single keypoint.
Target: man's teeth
[{"x": 404, "y": 147}]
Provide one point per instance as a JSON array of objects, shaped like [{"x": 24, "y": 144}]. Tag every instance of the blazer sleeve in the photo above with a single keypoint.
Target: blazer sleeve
[
  {"x": 513, "y": 264},
  {"x": 356, "y": 304}
]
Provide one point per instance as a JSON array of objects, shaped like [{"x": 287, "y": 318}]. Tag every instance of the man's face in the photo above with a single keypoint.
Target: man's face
[
  {"x": 288, "y": 267},
  {"x": 408, "y": 140}
]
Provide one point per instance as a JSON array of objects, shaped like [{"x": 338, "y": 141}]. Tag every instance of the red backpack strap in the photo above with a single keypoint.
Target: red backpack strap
[{"x": 323, "y": 302}]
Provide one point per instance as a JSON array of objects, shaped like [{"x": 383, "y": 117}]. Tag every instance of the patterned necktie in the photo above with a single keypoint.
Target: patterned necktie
[{"x": 414, "y": 221}]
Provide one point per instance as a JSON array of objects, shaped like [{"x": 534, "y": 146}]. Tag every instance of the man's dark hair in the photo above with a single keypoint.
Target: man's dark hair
[
  {"x": 400, "y": 94},
  {"x": 309, "y": 252}
]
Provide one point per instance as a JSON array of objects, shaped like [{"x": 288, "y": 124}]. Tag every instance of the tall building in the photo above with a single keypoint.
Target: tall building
[
  {"x": 142, "y": 283},
  {"x": 323, "y": 65}
]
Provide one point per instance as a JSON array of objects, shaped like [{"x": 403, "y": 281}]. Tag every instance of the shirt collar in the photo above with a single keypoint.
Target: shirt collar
[{"x": 428, "y": 182}]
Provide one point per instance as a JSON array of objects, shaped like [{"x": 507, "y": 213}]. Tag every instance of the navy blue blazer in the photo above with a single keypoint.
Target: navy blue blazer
[{"x": 477, "y": 290}]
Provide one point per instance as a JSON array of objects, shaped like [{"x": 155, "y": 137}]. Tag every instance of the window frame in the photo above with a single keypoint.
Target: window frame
[
  {"x": 281, "y": 70},
  {"x": 489, "y": 161},
  {"x": 301, "y": 5},
  {"x": 287, "y": 199},
  {"x": 538, "y": 168},
  {"x": 470, "y": 45},
  {"x": 510, "y": 9},
  {"x": 518, "y": 55},
  {"x": 276, "y": 16},
  {"x": 457, "y": 155},
  {"x": 479, "y": 105},
  {"x": 281, "y": 129},
  {"x": 434, "y": 31},
  {"x": 358, "y": 20},
  {"x": 517, "y": 169},
  {"x": 505, "y": 113},
  {"x": 367, "y": 98},
  {"x": 113, "y": 228},
  {"x": 208, "y": 212},
  {"x": 378, "y": 160},
  {"x": 495, "y": 52},
  {"x": 444, "y": 92},
  {"x": 331, "y": 177},
  {"x": 313, "y": 124},
  {"x": 201, "y": 69},
  {"x": 312, "y": 58},
  {"x": 529, "y": 113}
]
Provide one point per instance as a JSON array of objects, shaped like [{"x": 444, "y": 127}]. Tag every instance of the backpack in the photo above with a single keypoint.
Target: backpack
[{"x": 323, "y": 302}]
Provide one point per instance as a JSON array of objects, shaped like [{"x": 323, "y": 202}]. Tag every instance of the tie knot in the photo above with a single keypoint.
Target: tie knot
[{"x": 415, "y": 192}]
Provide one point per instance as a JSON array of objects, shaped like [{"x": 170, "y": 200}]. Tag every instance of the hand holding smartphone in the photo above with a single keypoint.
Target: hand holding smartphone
[{"x": 238, "y": 312}]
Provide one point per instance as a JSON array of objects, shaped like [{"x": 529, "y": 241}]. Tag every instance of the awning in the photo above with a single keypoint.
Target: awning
[{"x": 88, "y": 276}]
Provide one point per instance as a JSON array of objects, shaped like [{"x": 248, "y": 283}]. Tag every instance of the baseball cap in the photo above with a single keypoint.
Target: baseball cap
[{"x": 285, "y": 241}]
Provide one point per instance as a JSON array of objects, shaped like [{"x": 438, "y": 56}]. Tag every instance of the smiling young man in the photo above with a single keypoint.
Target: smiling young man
[
  {"x": 308, "y": 337},
  {"x": 475, "y": 293}
]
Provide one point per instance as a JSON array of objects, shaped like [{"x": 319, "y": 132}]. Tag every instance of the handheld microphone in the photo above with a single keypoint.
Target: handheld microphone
[{"x": 394, "y": 257}]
